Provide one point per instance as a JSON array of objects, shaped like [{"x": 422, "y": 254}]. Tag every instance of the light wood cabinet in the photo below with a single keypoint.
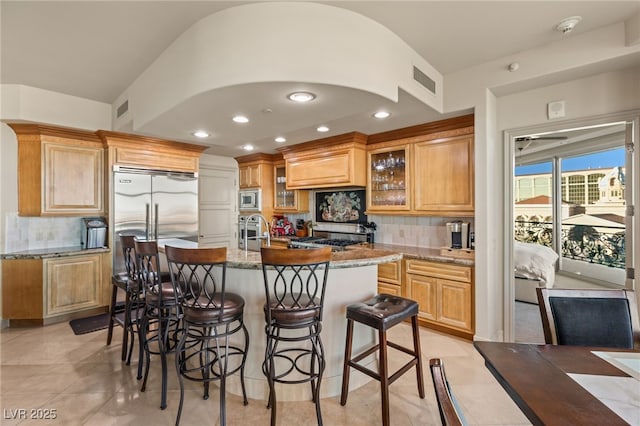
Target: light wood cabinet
[
  {"x": 331, "y": 162},
  {"x": 390, "y": 278},
  {"x": 60, "y": 171},
  {"x": 389, "y": 177},
  {"x": 444, "y": 176},
  {"x": 72, "y": 283},
  {"x": 445, "y": 293},
  {"x": 143, "y": 152},
  {"x": 424, "y": 170},
  {"x": 44, "y": 291},
  {"x": 250, "y": 176},
  {"x": 287, "y": 200}
]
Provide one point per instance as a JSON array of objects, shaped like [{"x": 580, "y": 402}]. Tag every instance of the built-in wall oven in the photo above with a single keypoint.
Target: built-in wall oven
[{"x": 253, "y": 228}]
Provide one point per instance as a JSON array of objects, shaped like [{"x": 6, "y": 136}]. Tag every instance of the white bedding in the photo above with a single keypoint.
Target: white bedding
[{"x": 535, "y": 262}]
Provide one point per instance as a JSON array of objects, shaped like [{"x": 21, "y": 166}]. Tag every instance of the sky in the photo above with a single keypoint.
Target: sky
[{"x": 606, "y": 159}]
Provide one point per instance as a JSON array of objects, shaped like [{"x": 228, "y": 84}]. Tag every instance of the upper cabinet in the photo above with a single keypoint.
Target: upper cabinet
[
  {"x": 145, "y": 152},
  {"x": 445, "y": 176},
  {"x": 287, "y": 200},
  {"x": 423, "y": 170},
  {"x": 60, "y": 171},
  {"x": 389, "y": 171},
  {"x": 250, "y": 176},
  {"x": 330, "y": 162}
]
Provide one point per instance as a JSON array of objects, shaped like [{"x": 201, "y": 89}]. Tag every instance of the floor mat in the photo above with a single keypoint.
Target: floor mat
[{"x": 94, "y": 323}]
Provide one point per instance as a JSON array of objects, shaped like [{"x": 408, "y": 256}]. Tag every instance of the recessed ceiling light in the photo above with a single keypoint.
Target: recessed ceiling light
[
  {"x": 240, "y": 119},
  {"x": 301, "y": 97},
  {"x": 248, "y": 147},
  {"x": 280, "y": 139},
  {"x": 200, "y": 134},
  {"x": 382, "y": 114},
  {"x": 322, "y": 129}
]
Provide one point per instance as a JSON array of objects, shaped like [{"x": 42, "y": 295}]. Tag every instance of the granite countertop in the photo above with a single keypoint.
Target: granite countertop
[
  {"x": 360, "y": 255},
  {"x": 47, "y": 253}
]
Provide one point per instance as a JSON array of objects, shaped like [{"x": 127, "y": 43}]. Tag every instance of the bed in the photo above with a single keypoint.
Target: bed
[{"x": 534, "y": 266}]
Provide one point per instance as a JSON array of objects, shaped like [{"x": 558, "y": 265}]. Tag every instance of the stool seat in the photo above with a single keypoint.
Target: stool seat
[{"x": 382, "y": 311}]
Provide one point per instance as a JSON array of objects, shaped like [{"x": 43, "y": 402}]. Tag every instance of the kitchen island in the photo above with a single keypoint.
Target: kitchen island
[{"x": 352, "y": 278}]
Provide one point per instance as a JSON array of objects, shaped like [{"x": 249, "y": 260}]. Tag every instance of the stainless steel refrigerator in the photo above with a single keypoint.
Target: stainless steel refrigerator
[{"x": 153, "y": 205}]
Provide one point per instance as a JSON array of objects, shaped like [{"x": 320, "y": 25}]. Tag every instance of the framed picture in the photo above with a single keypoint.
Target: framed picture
[{"x": 341, "y": 206}]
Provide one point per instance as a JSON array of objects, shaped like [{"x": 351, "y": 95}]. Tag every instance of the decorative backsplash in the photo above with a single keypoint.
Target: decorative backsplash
[{"x": 34, "y": 233}]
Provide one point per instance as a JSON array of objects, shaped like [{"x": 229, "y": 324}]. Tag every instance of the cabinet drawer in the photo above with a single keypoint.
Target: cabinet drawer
[
  {"x": 386, "y": 288},
  {"x": 439, "y": 270},
  {"x": 390, "y": 272}
]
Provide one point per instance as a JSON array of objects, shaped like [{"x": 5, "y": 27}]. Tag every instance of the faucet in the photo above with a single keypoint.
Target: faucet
[{"x": 266, "y": 224}]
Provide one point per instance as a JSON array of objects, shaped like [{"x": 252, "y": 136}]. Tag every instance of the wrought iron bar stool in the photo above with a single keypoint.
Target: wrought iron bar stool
[
  {"x": 128, "y": 282},
  {"x": 160, "y": 320},
  {"x": 210, "y": 317},
  {"x": 381, "y": 313},
  {"x": 295, "y": 282}
]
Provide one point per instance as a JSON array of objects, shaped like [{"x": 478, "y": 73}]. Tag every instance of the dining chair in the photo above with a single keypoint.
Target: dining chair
[
  {"x": 295, "y": 283},
  {"x": 159, "y": 320},
  {"x": 128, "y": 282},
  {"x": 210, "y": 317},
  {"x": 605, "y": 318},
  {"x": 450, "y": 412}
]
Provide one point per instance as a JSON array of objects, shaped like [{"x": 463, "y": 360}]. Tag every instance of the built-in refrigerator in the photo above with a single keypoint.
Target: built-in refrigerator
[{"x": 153, "y": 205}]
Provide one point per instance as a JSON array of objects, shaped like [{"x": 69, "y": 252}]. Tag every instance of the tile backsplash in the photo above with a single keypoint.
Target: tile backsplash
[
  {"x": 414, "y": 231},
  {"x": 34, "y": 233}
]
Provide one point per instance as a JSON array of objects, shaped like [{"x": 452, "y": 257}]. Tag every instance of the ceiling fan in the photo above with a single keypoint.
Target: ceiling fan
[{"x": 523, "y": 142}]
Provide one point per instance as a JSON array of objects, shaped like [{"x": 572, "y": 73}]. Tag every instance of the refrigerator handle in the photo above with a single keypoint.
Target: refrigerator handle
[
  {"x": 155, "y": 215},
  {"x": 147, "y": 223}
]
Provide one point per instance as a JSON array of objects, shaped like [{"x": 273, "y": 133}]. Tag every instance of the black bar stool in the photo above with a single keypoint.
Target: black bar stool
[
  {"x": 382, "y": 312},
  {"x": 295, "y": 283},
  {"x": 127, "y": 281}
]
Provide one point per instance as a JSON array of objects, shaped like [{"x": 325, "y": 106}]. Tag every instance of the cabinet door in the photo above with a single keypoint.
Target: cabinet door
[
  {"x": 285, "y": 199},
  {"x": 217, "y": 207},
  {"x": 73, "y": 179},
  {"x": 72, "y": 283},
  {"x": 443, "y": 176},
  {"x": 424, "y": 291},
  {"x": 454, "y": 304},
  {"x": 388, "y": 179},
  {"x": 250, "y": 176},
  {"x": 340, "y": 167}
]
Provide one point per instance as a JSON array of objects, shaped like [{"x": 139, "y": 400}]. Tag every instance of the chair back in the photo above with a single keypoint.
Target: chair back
[
  {"x": 129, "y": 255},
  {"x": 450, "y": 413},
  {"x": 590, "y": 317},
  {"x": 199, "y": 276},
  {"x": 150, "y": 277},
  {"x": 295, "y": 283}
]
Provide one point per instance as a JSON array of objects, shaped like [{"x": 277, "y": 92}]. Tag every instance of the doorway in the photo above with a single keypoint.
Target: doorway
[{"x": 569, "y": 187}]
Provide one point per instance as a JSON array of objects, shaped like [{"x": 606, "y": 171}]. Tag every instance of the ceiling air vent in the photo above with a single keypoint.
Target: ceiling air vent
[
  {"x": 122, "y": 109},
  {"x": 424, "y": 79}
]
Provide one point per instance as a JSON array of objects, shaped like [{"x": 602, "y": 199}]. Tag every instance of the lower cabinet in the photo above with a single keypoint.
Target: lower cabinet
[
  {"x": 445, "y": 294},
  {"x": 43, "y": 291},
  {"x": 390, "y": 278}
]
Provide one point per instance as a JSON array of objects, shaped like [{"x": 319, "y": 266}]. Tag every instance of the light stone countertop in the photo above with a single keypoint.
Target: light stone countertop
[{"x": 361, "y": 255}]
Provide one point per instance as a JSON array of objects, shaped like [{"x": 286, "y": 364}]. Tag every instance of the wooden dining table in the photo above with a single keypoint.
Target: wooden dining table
[{"x": 537, "y": 378}]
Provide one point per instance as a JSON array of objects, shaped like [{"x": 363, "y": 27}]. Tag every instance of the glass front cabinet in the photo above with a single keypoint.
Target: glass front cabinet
[
  {"x": 389, "y": 179},
  {"x": 287, "y": 200}
]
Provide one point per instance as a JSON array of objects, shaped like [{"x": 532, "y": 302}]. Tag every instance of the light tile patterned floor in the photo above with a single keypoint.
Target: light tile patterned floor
[{"x": 84, "y": 381}]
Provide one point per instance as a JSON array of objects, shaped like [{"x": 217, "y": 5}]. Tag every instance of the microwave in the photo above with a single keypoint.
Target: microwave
[{"x": 250, "y": 200}]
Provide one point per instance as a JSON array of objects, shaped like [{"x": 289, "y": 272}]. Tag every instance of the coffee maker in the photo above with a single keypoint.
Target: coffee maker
[
  {"x": 94, "y": 232},
  {"x": 458, "y": 234}
]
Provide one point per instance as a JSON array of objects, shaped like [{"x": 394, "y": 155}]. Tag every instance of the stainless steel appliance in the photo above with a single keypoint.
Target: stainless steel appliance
[
  {"x": 94, "y": 232},
  {"x": 250, "y": 200},
  {"x": 337, "y": 236},
  {"x": 458, "y": 234},
  {"x": 250, "y": 232},
  {"x": 153, "y": 205}
]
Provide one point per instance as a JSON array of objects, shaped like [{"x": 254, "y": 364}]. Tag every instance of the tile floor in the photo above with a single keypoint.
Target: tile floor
[{"x": 85, "y": 382}]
